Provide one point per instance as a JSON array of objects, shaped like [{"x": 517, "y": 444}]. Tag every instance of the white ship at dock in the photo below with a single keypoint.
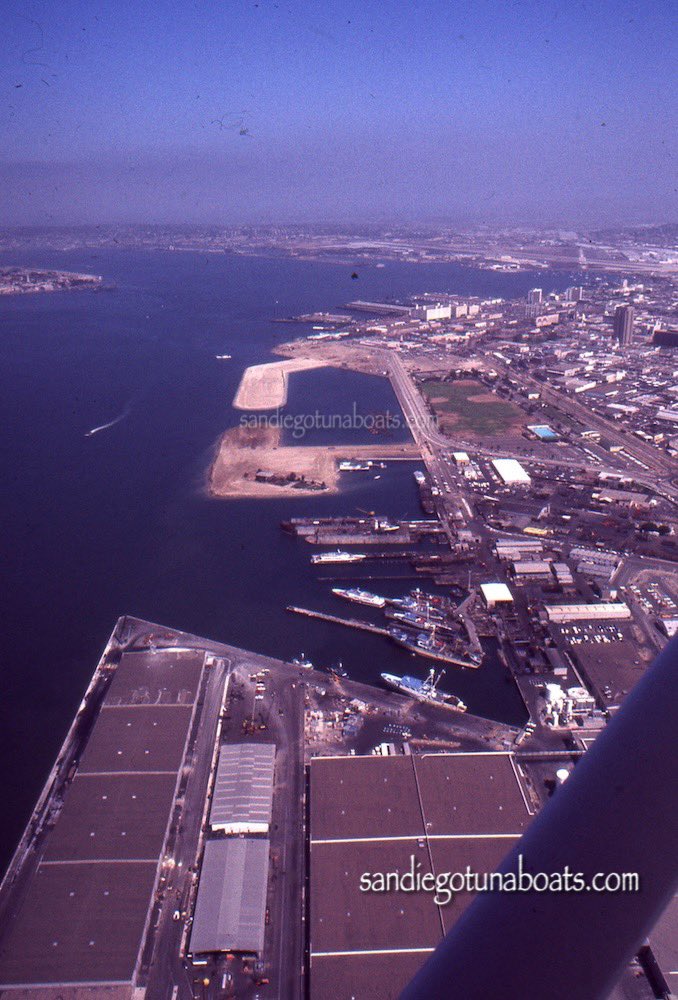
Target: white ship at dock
[{"x": 360, "y": 596}]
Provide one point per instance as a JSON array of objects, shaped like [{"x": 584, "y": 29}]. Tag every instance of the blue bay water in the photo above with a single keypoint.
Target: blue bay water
[{"x": 117, "y": 522}]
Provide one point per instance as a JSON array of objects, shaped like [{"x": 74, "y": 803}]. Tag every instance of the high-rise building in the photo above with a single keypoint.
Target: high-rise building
[
  {"x": 574, "y": 294},
  {"x": 623, "y": 325},
  {"x": 535, "y": 296}
]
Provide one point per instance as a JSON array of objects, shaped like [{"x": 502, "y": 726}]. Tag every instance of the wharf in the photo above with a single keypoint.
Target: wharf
[
  {"x": 336, "y": 620},
  {"x": 378, "y": 630},
  {"x": 362, "y": 530},
  {"x": 321, "y": 537}
]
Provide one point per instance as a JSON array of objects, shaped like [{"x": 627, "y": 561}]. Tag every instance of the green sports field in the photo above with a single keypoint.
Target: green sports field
[{"x": 466, "y": 406}]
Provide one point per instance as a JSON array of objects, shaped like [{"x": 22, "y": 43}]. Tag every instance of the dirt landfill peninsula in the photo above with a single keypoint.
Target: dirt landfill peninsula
[{"x": 251, "y": 462}]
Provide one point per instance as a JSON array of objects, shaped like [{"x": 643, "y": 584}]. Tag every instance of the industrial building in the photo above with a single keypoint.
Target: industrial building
[
  {"x": 377, "y": 813},
  {"x": 563, "y": 574},
  {"x": 595, "y": 562},
  {"x": 562, "y": 707},
  {"x": 430, "y": 313},
  {"x": 230, "y": 909},
  {"x": 242, "y": 799},
  {"x": 85, "y": 909},
  {"x": 511, "y": 472},
  {"x": 510, "y": 549},
  {"x": 495, "y": 593},
  {"x": 532, "y": 569},
  {"x": 587, "y": 612}
]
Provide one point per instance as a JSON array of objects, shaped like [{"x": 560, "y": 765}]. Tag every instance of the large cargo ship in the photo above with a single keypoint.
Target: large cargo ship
[
  {"x": 338, "y": 557},
  {"x": 360, "y": 596},
  {"x": 426, "y": 690}
]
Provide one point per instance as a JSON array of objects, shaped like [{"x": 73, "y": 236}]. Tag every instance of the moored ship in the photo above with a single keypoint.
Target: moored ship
[
  {"x": 426, "y": 690},
  {"x": 360, "y": 596},
  {"x": 338, "y": 557}
]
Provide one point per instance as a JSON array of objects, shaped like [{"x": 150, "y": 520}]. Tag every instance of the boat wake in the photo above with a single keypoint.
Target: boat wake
[{"x": 104, "y": 427}]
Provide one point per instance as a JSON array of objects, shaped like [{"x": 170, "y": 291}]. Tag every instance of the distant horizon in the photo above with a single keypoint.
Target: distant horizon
[
  {"x": 349, "y": 225},
  {"x": 531, "y": 114}
]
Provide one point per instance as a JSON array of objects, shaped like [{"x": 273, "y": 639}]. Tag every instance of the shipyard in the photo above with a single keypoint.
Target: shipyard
[{"x": 208, "y": 797}]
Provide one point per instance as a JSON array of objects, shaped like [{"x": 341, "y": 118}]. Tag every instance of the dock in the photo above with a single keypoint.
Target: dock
[
  {"x": 336, "y": 620},
  {"x": 378, "y": 630}
]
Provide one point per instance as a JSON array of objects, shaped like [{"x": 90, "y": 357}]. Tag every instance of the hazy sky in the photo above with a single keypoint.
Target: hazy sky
[{"x": 537, "y": 112}]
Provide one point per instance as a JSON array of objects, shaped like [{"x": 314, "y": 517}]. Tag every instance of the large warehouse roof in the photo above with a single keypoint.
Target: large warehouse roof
[
  {"x": 587, "y": 612},
  {"x": 496, "y": 593},
  {"x": 374, "y": 814},
  {"x": 84, "y": 909},
  {"x": 231, "y": 905},
  {"x": 510, "y": 471},
  {"x": 243, "y": 789}
]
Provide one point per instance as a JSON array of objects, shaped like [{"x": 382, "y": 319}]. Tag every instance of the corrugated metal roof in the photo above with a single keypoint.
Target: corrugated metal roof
[
  {"x": 231, "y": 906},
  {"x": 243, "y": 788}
]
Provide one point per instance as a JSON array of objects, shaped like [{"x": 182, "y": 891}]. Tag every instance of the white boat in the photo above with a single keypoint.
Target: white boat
[
  {"x": 360, "y": 596},
  {"x": 223, "y": 357},
  {"x": 338, "y": 557},
  {"x": 350, "y": 466}
]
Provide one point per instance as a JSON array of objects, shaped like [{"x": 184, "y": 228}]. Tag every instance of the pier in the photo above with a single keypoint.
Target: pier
[{"x": 336, "y": 620}]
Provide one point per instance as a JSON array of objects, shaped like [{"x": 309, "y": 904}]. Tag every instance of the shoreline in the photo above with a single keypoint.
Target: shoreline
[
  {"x": 265, "y": 386},
  {"x": 241, "y": 452}
]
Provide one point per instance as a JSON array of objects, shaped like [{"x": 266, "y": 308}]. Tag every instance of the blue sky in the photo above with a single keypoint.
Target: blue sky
[{"x": 341, "y": 111}]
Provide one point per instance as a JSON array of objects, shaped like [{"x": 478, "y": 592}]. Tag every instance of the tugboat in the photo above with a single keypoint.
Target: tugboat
[{"x": 426, "y": 690}]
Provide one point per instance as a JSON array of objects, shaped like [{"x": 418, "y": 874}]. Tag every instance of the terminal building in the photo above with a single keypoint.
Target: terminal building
[
  {"x": 242, "y": 799},
  {"x": 511, "y": 472}
]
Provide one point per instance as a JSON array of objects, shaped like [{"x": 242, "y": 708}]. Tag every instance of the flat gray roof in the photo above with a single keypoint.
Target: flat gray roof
[
  {"x": 243, "y": 788},
  {"x": 82, "y": 915},
  {"x": 231, "y": 906}
]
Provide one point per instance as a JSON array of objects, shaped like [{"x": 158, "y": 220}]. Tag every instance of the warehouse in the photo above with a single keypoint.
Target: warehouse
[
  {"x": 230, "y": 909},
  {"x": 86, "y": 907},
  {"x": 243, "y": 789},
  {"x": 587, "y": 612},
  {"x": 376, "y": 814},
  {"x": 496, "y": 593},
  {"x": 532, "y": 569},
  {"x": 518, "y": 548},
  {"x": 511, "y": 472}
]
